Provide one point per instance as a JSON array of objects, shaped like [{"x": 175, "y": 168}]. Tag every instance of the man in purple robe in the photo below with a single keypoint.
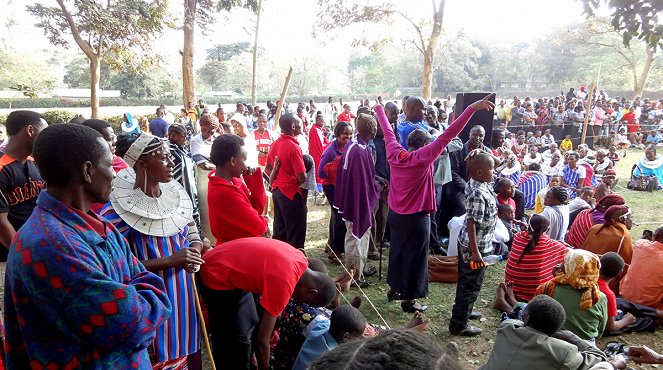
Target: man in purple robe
[{"x": 356, "y": 194}]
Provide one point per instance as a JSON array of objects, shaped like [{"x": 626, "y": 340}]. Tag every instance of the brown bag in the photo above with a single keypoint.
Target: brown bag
[{"x": 443, "y": 269}]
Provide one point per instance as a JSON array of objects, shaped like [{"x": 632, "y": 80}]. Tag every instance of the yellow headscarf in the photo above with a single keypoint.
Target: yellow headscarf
[{"x": 581, "y": 271}]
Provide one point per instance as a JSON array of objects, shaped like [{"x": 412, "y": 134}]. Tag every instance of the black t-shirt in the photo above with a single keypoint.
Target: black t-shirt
[{"x": 20, "y": 184}]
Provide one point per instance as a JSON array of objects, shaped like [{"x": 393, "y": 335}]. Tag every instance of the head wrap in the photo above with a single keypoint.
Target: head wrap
[
  {"x": 609, "y": 173},
  {"x": 142, "y": 146},
  {"x": 609, "y": 200},
  {"x": 581, "y": 272}
]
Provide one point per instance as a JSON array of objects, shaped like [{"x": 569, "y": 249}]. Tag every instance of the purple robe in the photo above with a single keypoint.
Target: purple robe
[{"x": 356, "y": 191}]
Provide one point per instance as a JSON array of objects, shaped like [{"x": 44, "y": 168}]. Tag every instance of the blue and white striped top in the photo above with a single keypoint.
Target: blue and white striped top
[
  {"x": 180, "y": 334},
  {"x": 531, "y": 184}
]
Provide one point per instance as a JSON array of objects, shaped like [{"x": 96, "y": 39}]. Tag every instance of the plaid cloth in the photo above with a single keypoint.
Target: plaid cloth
[{"x": 481, "y": 206}]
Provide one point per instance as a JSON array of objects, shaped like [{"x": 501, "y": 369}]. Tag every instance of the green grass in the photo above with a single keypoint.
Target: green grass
[{"x": 648, "y": 214}]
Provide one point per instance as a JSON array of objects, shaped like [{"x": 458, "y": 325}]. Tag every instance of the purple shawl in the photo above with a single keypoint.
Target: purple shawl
[{"x": 356, "y": 191}]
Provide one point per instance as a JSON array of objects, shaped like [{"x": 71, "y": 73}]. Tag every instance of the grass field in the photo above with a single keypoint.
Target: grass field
[{"x": 648, "y": 214}]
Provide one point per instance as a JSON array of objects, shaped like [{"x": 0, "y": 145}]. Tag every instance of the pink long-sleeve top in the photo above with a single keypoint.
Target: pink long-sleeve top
[{"x": 411, "y": 189}]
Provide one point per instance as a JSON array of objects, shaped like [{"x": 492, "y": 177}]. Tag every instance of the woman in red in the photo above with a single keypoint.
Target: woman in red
[
  {"x": 346, "y": 116},
  {"x": 236, "y": 192},
  {"x": 631, "y": 124},
  {"x": 532, "y": 258},
  {"x": 327, "y": 170},
  {"x": 317, "y": 142},
  {"x": 263, "y": 139}
]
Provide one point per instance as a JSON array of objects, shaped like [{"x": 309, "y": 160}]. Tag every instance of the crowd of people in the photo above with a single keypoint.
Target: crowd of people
[{"x": 112, "y": 242}]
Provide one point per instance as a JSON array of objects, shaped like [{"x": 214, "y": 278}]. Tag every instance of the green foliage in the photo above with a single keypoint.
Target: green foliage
[
  {"x": 24, "y": 73},
  {"x": 371, "y": 73},
  {"x": 146, "y": 83},
  {"x": 54, "y": 117},
  {"x": 634, "y": 19},
  {"x": 224, "y": 52},
  {"x": 77, "y": 74},
  {"x": 116, "y": 25},
  {"x": 83, "y": 103}
]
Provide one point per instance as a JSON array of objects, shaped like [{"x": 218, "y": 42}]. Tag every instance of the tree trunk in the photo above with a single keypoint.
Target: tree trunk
[
  {"x": 255, "y": 55},
  {"x": 95, "y": 71},
  {"x": 431, "y": 49},
  {"x": 641, "y": 83},
  {"x": 188, "y": 78}
]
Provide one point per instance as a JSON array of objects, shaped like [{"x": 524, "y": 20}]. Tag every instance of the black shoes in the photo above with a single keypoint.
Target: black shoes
[
  {"x": 475, "y": 315},
  {"x": 412, "y": 307},
  {"x": 393, "y": 295},
  {"x": 469, "y": 331}
]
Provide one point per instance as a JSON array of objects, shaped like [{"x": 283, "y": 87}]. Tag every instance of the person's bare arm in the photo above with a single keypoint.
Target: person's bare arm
[
  {"x": 261, "y": 341},
  {"x": 613, "y": 326},
  {"x": 184, "y": 258},
  {"x": 207, "y": 166},
  {"x": 7, "y": 231},
  {"x": 301, "y": 177},
  {"x": 472, "y": 236}
]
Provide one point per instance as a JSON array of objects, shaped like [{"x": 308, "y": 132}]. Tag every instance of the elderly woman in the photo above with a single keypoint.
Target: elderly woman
[
  {"x": 602, "y": 164},
  {"x": 412, "y": 199},
  {"x": 575, "y": 288},
  {"x": 553, "y": 166},
  {"x": 533, "y": 256},
  {"x": 327, "y": 174},
  {"x": 650, "y": 165},
  {"x": 573, "y": 174},
  {"x": 155, "y": 215},
  {"x": 613, "y": 235},
  {"x": 590, "y": 217}
]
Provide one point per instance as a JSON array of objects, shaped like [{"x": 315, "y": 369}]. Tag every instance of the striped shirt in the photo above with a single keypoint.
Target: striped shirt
[
  {"x": 180, "y": 334},
  {"x": 536, "y": 266},
  {"x": 580, "y": 228},
  {"x": 531, "y": 183},
  {"x": 559, "y": 220}
]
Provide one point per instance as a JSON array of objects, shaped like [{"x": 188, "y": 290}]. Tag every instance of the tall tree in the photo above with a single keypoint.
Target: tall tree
[
  {"x": 118, "y": 26},
  {"x": 200, "y": 12},
  {"x": 338, "y": 14},
  {"x": 633, "y": 19},
  {"x": 639, "y": 57},
  {"x": 18, "y": 70},
  {"x": 255, "y": 54}
]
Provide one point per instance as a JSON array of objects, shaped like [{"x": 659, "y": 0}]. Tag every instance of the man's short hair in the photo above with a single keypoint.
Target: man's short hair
[
  {"x": 346, "y": 319},
  {"x": 96, "y": 124},
  {"x": 545, "y": 314},
  {"x": 326, "y": 289},
  {"x": 534, "y": 167},
  {"x": 612, "y": 265},
  {"x": 286, "y": 121},
  {"x": 418, "y": 138},
  {"x": 61, "y": 150},
  {"x": 224, "y": 148},
  {"x": 19, "y": 119}
]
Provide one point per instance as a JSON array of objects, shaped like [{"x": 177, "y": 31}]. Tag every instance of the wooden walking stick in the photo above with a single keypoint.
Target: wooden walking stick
[
  {"x": 587, "y": 109},
  {"x": 202, "y": 321},
  {"x": 284, "y": 92}
]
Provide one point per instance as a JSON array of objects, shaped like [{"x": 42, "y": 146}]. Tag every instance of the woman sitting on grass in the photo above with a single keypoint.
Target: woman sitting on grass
[
  {"x": 533, "y": 256},
  {"x": 575, "y": 288},
  {"x": 590, "y": 217}
]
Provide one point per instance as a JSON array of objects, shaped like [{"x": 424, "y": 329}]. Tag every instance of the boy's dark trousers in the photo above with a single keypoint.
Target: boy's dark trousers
[
  {"x": 467, "y": 290},
  {"x": 289, "y": 219},
  {"x": 232, "y": 319}
]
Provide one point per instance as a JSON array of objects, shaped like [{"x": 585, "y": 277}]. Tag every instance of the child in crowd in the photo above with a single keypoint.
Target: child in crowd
[
  {"x": 481, "y": 206},
  {"x": 346, "y": 324},
  {"x": 510, "y": 140},
  {"x": 652, "y": 138},
  {"x": 505, "y": 190},
  {"x": 610, "y": 139},
  {"x": 584, "y": 201},
  {"x": 612, "y": 265},
  {"x": 621, "y": 141},
  {"x": 520, "y": 148},
  {"x": 537, "y": 342},
  {"x": 614, "y": 155},
  {"x": 566, "y": 144},
  {"x": 555, "y": 180},
  {"x": 557, "y": 212},
  {"x": 507, "y": 217},
  {"x": 548, "y": 139}
]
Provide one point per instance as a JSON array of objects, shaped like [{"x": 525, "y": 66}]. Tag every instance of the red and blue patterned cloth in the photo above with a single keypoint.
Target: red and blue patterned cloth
[{"x": 75, "y": 299}]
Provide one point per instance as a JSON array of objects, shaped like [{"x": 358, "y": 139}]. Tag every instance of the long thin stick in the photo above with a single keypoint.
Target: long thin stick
[
  {"x": 589, "y": 106},
  {"x": 202, "y": 321},
  {"x": 283, "y": 94}
]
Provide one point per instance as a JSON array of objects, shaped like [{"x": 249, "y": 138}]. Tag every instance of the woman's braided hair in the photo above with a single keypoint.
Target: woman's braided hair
[{"x": 397, "y": 349}]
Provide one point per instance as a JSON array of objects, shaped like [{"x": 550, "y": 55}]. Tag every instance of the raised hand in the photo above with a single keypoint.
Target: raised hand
[{"x": 483, "y": 103}]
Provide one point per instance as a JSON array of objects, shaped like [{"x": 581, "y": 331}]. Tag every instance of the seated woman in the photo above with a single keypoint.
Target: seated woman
[
  {"x": 532, "y": 258},
  {"x": 510, "y": 169},
  {"x": 573, "y": 174},
  {"x": 605, "y": 186},
  {"x": 533, "y": 156},
  {"x": 651, "y": 165},
  {"x": 557, "y": 212},
  {"x": 613, "y": 235},
  {"x": 621, "y": 140},
  {"x": 603, "y": 163},
  {"x": 553, "y": 166},
  {"x": 531, "y": 182},
  {"x": 155, "y": 214},
  {"x": 575, "y": 288},
  {"x": 236, "y": 192},
  {"x": 590, "y": 217}
]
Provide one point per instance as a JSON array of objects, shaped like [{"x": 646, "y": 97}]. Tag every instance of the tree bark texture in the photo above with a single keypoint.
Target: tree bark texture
[{"x": 188, "y": 77}]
